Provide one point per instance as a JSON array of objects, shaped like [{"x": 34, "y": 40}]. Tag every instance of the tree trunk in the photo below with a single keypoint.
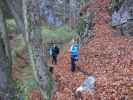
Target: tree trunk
[
  {"x": 34, "y": 43},
  {"x": 16, "y": 10},
  {"x": 5, "y": 65},
  {"x": 88, "y": 28},
  {"x": 66, "y": 10},
  {"x": 74, "y": 12}
]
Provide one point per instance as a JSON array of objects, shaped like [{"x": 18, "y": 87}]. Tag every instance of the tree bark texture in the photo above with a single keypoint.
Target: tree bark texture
[
  {"x": 34, "y": 42},
  {"x": 5, "y": 65},
  {"x": 15, "y": 6}
]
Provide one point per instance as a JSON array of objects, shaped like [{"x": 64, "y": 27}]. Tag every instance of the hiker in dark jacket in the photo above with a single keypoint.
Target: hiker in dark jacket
[{"x": 55, "y": 52}]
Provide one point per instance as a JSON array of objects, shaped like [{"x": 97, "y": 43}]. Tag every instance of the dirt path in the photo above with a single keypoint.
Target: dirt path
[{"x": 109, "y": 58}]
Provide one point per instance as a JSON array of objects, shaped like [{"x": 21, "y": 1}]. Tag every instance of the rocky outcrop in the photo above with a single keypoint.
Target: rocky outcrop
[{"x": 123, "y": 18}]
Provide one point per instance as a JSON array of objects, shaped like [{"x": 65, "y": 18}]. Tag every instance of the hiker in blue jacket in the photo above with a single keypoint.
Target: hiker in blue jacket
[{"x": 74, "y": 55}]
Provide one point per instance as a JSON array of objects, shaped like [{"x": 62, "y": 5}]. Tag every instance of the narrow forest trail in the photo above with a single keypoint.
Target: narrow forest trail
[{"x": 109, "y": 58}]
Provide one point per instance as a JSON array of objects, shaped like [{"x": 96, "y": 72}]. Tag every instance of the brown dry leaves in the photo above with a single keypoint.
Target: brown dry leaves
[
  {"x": 109, "y": 58},
  {"x": 35, "y": 94}
]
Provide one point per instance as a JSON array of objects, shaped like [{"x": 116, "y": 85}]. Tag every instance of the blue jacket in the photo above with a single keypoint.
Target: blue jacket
[
  {"x": 74, "y": 50},
  {"x": 50, "y": 51}
]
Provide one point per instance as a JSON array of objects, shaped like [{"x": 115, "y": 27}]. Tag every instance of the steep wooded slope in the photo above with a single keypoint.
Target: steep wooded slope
[{"x": 109, "y": 58}]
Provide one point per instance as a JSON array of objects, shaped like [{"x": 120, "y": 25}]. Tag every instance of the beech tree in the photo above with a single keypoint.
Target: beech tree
[{"x": 6, "y": 87}]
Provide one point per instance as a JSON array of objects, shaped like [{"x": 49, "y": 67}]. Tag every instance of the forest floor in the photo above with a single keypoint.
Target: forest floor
[{"x": 108, "y": 58}]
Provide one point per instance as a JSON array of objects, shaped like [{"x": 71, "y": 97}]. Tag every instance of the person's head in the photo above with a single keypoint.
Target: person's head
[
  {"x": 56, "y": 46},
  {"x": 80, "y": 14},
  {"x": 72, "y": 41},
  {"x": 116, "y": 8}
]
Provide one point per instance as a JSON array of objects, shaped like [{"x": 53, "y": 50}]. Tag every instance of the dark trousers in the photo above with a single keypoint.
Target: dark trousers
[
  {"x": 73, "y": 65},
  {"x": 54, "y": 59}
]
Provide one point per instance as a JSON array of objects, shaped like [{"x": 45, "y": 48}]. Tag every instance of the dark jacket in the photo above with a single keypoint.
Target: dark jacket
[{"x": 55, "y": 51}]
